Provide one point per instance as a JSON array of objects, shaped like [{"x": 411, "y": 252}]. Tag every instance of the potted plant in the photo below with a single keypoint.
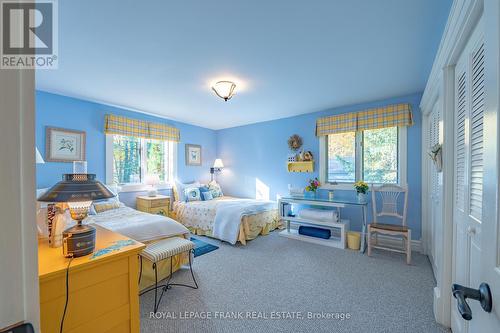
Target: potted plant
[
  {"x": 436, "y": 154},
  {"x": 361, "y": 189},
  {"x": 313, "y": 186}
]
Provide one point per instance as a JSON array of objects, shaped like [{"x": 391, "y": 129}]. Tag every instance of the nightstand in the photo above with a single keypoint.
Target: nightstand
[{"x": 159, "y": 204}]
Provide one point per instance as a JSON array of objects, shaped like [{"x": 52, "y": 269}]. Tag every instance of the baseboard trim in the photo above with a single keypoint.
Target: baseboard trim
[{"x": 416, "y": 245}]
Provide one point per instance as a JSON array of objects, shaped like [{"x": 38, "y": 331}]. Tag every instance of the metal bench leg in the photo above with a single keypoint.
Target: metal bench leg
[
  {"x": 168, "y": 285},
  {"x": 163, "y": 288},
  {"x": 155, "y": 288},
  {"x": 192, "y": 274},
  {"x": 191, "y": 269}
]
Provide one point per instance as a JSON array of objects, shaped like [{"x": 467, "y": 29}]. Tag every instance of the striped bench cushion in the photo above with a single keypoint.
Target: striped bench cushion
[{"x": 166, "y": 248}]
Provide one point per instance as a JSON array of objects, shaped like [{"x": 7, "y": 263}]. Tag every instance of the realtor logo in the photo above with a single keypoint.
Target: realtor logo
[{"x": 29, "y": 34}]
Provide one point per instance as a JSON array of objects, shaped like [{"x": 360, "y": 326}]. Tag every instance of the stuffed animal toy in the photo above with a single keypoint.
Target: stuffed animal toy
[{"x": 307, "y": 156}]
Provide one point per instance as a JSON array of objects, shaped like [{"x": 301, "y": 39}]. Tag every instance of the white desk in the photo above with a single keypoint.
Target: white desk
[{"x": 320, "y": 202}]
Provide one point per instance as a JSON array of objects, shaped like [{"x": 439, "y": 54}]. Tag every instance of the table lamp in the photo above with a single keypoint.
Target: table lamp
[
  {"x": 78, "y": 191},
  {"x": 152, "y": 180}
]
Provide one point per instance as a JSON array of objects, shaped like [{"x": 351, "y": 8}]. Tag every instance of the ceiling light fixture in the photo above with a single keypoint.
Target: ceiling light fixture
[{"x": 224, "y": 89}]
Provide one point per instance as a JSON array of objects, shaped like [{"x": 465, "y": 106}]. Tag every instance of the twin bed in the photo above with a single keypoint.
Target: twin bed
[
  {"x": 226, "y": 218},
  {"x": 229, "y": 219}
]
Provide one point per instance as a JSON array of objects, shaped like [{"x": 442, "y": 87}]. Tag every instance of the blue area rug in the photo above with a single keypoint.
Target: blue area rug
[{"x": 201, "y": 247}]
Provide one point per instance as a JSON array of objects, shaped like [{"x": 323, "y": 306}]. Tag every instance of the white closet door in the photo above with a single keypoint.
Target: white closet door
[
  {"x": 434, "y": 136},
  {"x": 469, "y": 115},
  {"x": 476, "y": 133}
]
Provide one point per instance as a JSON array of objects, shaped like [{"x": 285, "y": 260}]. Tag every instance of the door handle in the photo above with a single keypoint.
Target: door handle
[{"x": 461, "y": 293}]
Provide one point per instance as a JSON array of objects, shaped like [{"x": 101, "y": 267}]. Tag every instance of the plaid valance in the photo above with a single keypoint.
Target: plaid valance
[
  {"x": 387, "y": 116},
  {"x": 140, "y": 128}
]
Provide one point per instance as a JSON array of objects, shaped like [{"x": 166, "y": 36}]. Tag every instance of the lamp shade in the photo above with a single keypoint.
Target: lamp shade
[
  {"x": 38, "y": 157},
  {"x": 153, "y": 179},
  {"x": 218, "y": 164},
  {"x": 77, "y": 188}
]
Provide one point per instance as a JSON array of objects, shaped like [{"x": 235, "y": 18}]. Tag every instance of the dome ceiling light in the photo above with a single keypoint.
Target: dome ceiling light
[{"x": 224, "y": 89}]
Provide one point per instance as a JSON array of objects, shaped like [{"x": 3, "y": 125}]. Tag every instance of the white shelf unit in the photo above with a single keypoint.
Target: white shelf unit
[{"x": 334, "y": 241}]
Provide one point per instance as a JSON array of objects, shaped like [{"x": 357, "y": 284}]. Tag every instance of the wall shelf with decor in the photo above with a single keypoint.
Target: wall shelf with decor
[{"x": 304, "y": 166}]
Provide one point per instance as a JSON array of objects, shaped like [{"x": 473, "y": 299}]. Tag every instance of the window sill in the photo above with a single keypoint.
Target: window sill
[
  {"x": 142, "y": 188},
  {"x": 349, "y": 186},
  {"x": 340, "y": 186}
]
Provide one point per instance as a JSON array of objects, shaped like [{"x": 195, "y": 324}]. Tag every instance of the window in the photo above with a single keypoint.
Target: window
[
  {"x": 342, "y": 157},
  {"x": 375, "y": 156},
  {"x": 130, "y": 159},
  {"x": 380, "y": 155}
]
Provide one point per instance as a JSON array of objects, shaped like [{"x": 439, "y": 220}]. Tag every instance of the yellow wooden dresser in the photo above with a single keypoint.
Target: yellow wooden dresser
[
  {"x": 103, "y": 292},
  {"x": 159, "y": 204}
]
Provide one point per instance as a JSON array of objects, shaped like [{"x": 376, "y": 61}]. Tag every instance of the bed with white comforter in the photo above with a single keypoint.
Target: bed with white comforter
[
  {"x": 227, "y": 218},
  {"x": 140, "y": 226}
]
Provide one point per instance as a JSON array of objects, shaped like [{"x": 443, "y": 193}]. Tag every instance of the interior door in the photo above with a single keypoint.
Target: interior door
[
  {"x": 490, "y": 230},
  {"x": 468, "y": 193},
  {"x": 435, "y": 184}
]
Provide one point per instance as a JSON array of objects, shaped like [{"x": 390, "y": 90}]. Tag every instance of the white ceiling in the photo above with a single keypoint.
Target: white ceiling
[{"x": 287, "y": 57}]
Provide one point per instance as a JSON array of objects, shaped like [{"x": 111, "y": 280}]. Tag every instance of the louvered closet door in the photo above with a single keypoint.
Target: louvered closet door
[
  {"x": 468, "y": 186},
  {"x": 435, "y": 184}
]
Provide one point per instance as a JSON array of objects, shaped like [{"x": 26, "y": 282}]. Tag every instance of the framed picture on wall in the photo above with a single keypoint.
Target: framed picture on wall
[
  {"x": 64, "y": 145},
  {"x": 193, "y": 155}
]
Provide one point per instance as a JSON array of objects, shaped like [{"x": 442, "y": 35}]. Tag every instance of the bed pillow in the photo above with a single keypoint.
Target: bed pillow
[
  {"x": 180, "y": 189},
  {"x": 207, "y": 195},
  {"x": 114, "y": 201},
  {"x": 203, "y": 189},
  {"x": 192, "y": 194},
  {"x": 104, "y": 206},
  {"x": 215, "y": 189}
]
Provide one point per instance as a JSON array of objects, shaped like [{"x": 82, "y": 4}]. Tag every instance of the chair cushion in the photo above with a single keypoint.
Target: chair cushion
[
  {"x": 389, "y": 227},
  {"x": 166, "y": 248}
]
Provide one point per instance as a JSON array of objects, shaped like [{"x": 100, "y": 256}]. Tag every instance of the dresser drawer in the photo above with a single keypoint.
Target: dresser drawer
[
  {"x": 159, "y": 203},
  {"x": 159, "y": 211}
]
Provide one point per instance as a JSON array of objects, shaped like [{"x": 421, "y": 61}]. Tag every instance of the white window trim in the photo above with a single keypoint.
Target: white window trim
[
  {"x": 172, "y": 171},
  {"x": 402, "y": 161}
]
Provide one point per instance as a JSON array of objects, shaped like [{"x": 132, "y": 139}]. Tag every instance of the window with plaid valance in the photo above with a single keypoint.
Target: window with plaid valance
[
  {"x": 387, "y": 116},
  {"x": 140, "y": 128}
]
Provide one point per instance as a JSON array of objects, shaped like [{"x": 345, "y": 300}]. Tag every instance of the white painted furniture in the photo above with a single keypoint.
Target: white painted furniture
[
  {"x": 388, "y": 199},
  {"x": 339, "y": 227}
]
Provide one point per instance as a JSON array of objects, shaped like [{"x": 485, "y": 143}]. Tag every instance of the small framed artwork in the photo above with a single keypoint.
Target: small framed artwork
[
  {"x": 193, "y": 155},
  {"x": 64, "y": 145}
]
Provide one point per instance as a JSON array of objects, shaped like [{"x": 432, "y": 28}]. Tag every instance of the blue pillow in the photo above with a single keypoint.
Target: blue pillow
[
  {"x": 207, "y": 195},
  {"x": 192, "y": 194},
  {"x": 203, "y": 189},
  {"x": 181, "y": 188}
]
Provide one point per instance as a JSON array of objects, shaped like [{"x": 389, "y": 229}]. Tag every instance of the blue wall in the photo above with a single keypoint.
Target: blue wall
[
  {"x": 252, "y": 154},
  {"x": 259, "y": 152},
  {"x": 65, "y": 112}
]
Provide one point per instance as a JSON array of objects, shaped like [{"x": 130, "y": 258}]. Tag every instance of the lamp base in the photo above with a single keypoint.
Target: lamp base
[{"x": 79, "y": 240}]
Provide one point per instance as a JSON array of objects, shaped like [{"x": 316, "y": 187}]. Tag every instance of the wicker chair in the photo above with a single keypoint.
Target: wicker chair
[{"x": 389, "y": 195}]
